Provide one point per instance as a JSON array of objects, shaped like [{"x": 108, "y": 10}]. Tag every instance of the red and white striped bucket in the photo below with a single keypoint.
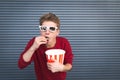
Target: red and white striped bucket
[{"x": 55, "y": 54}]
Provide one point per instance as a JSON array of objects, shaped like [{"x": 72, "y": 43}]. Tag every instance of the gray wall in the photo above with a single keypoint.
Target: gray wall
[{"x": 92, "y": 27}]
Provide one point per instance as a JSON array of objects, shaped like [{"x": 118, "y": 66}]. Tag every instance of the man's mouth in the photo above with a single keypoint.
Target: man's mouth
[{"x": 47, "y": 38}]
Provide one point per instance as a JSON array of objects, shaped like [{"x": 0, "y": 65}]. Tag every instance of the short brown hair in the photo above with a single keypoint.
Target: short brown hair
[{"x": 50, "y": 17}]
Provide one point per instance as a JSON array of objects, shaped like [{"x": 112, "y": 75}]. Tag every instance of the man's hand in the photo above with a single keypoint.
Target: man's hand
[
  {"x": 55, "y": 66},
  {"x": 38, "y": 41}
]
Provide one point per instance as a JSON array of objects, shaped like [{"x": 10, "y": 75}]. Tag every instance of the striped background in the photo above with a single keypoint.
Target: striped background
[{"x": 92, "y": 27}]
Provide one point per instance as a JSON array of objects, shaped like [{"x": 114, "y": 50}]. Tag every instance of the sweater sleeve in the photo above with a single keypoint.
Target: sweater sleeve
[
  {"x": 21, "y": 63},
  {"x": 68, "y": 55}
]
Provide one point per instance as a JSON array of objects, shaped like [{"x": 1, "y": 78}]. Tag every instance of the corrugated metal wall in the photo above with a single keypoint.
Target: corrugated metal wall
[{"x": 92, "y": 27}]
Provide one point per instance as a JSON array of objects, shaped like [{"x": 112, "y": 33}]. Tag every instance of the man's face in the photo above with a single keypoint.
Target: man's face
[{"x": 49, "y": 29}]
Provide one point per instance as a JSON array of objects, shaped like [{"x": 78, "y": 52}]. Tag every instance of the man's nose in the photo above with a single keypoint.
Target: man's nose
[{"x": 47, "y": 32}]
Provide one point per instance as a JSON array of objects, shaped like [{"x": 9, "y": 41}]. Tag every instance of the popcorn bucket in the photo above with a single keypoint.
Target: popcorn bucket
[{"x": 55, "y": 54}]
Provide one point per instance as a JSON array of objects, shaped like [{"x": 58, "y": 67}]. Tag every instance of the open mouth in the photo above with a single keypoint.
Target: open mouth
[{"x": 47, "y": 38}]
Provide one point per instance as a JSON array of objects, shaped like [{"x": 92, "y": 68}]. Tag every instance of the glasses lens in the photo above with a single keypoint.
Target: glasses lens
[
  {"x": 43, "y": 28},
  {"x": 52, "y": 28}
]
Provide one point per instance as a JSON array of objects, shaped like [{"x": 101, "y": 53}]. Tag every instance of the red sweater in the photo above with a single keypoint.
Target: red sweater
[{"x": 39, "y": 59}]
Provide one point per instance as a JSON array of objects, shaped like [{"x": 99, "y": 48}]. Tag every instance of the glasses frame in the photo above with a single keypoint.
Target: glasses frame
[{"x": 47, "y": 28}]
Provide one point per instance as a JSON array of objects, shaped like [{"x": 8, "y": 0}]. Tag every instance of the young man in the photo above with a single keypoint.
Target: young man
[{"x": 48, "y": 39}]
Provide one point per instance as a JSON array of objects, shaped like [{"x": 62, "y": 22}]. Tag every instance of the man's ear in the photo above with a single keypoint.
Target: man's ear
[{"x": 58, "y": 32}]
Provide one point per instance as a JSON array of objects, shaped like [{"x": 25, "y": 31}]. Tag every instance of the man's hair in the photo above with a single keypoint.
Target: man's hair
[{"x": 50, "y": 17}]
